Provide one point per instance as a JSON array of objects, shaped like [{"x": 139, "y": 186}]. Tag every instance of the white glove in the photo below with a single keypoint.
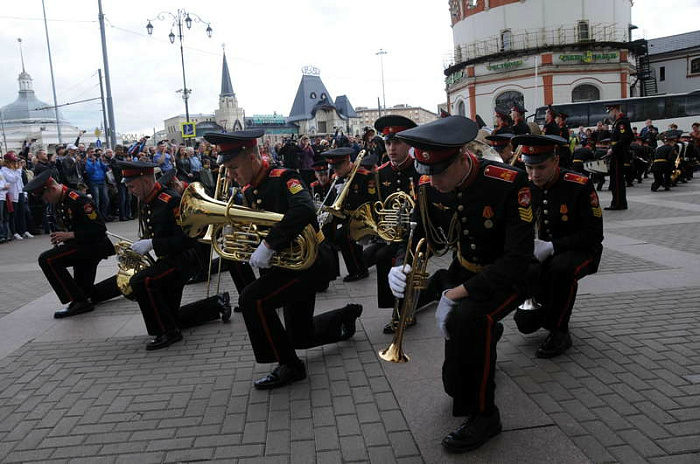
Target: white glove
[
  {"x": 261, "y": 256},
  {"x": 445, "y": 307},
  {"x": 142, "y": 247},
  {"x": 397, "y": 279},
  {"x": 339, "y": 188},
  {"x": 543, "y": 250}
]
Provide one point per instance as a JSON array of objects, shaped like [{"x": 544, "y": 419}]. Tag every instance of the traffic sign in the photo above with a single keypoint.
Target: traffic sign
[
  {"x": 98, "y": 143},
  {"x": 188, "y": 130}
]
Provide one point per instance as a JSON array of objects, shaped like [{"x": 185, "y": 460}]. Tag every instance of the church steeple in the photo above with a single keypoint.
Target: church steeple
[{"x": 226, "y": 86}]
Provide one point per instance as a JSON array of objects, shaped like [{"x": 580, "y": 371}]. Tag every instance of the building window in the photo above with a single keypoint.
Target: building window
[
  {"x": 509, "y": 99},
  {"x": 313, "y": 95},
  {"x": 662, "y": 73},
  {"x": 583, "y": 31},
  {"x": 695, "y": 66},
  {"x": 585, "y": 92},
  {"x": 460, "y": 108},
  {"x": 506, "y": 40}
]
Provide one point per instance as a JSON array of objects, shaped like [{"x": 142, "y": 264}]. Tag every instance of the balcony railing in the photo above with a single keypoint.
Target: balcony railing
[{"x": 539, "y": 38}]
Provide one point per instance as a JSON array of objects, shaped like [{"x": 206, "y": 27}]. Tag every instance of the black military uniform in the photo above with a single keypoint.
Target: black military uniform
[
  {"x": 493, "y": 222},
  {"x": 520, "y": 127},
  {"x": 325, "y": 194},
  {"x": 620, "y": 140},
  {"x": 158, "y": 288},
  {"x": 640, "y": 158},
  {"x": 582, "y": 155},
  {"x": 75, "y": 213},
  {"x": 569, "y": 217},
  {"x": 662, "y": 166},
  {"x": 564, "y": 151},
  {"x": 391, "y": 178},
  {"x": 501, "y": 143},
  {"x": 551, "y": 128},
  {"x": 282, "y": 191},
  {"x": 362, "y": 190}
]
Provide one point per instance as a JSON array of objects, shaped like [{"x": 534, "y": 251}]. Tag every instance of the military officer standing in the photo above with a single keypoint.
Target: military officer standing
[
  {"x": 620, "y": 139},
  {"x": 490, "y": 222},
  {"x": 82, "y": 244},
  {"x": 564, "y": 151},
  {"x": 158, "y": 288},
  {"x": 517, "y": 113},
  {"x": 568, "y": 247},
  {"x": 363, "y": 189},
  {"x": 281, "y": 191}
]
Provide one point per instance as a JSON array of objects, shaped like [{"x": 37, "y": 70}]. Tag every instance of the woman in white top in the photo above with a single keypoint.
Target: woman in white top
[{"x": 12, "y": 172}]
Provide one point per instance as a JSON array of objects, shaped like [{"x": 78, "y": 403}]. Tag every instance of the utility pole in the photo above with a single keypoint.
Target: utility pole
[
  {"x": 53, "y": 82},
  {"x": 381, "y": 54},
  {"x": 112, "y": 131},
  {"x": 104, "y": 113}
]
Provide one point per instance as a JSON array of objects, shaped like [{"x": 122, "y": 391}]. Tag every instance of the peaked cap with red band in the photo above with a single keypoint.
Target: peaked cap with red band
[
  {"x": 538, "y": 148},
  {"x": 499, "y": 141},
  {"x": 134, "y": 169},
  {"x": 233, "y": 143},
  {"x": 392, "y": 124},
  {"x": 338, "y": 155},
  {"x": 437, "y": 143},
  {"x": 37, "y": 185}
]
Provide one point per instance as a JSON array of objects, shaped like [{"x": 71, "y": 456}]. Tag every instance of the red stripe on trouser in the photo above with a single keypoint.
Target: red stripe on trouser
[
  {"x": 487, "y": 356},
  {"x": 55, "y": 274},
  {"x": 263, "y": 320},
  {"x": 571, "y": 292},
  {"x": 150, "y": 295}
]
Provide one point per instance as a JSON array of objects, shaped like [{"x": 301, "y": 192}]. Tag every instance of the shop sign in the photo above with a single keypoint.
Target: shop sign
[
  {"x": 455, "y": 78},
  {"x": 589, "y": 57},
  {"x": 505, "y": 66}
]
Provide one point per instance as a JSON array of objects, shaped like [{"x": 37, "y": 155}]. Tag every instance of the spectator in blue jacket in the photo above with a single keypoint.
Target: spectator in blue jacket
[{"x": 96, "y": 172}]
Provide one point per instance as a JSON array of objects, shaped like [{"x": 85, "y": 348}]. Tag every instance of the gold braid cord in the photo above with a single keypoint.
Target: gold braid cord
[{"x": 439, "y": 242}]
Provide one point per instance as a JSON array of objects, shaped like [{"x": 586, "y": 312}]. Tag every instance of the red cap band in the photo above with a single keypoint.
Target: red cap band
[
  {"x": 393, "y": 129},
  {"x": 498, "y": 143},
  {"x": 128, "y": 172},
  {"x": 338, "y": 160}
]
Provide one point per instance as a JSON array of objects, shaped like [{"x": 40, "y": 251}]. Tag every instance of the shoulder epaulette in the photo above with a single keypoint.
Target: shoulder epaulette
[
  {"x": 277, "y": 172},
  {"x": 244, "y": 189},
  {"x": 362, "y": 170},
  {"x": 73, "y": 195},
  {"x": 384, "y": 165},
  {"x": 424, "y": 180},
  {"x": 501, "y": 173},
  {"x": 315, "y": 184},
  {"x": 571, "y": 177},
  {"x": 164, "y": 197}
]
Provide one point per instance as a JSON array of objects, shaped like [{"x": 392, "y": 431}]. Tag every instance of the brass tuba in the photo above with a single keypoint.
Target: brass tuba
[
  {"x": 128, "y": 263},
  {"x": 248, "y": 228},
  {"x": 416, "y": 281}
]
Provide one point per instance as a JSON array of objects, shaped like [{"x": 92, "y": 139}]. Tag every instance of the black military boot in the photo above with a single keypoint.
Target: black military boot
[
  {"x": 473, "y": 433},
  {"x": 76, "y": 307},
  {"x": 350, "y": 315},
  {"x": 556, "y": 343},
  {"x": 282, "y": 375}
]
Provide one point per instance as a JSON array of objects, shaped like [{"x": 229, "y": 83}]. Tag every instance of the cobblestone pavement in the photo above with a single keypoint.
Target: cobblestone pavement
[{"x": 84, "y": 390}]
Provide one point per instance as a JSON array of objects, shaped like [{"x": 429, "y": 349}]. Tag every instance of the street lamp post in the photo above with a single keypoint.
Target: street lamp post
[
  {"x": 188, "y": 18},
  {"x": 381, "y": 54}
]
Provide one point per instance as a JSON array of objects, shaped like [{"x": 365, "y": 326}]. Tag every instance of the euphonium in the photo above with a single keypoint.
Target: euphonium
[
  {"x": 128, "y": 263},
  {"x": 389, "y": 219},
  {"x": 415, "y": 282},
  {"x": 248, "y": 228}
]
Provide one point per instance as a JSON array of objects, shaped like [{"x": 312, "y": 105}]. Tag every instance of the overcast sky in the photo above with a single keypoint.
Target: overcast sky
[{"x": 267, "y": 44}]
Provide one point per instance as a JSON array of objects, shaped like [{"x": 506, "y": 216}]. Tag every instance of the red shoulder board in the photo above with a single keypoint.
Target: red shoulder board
[
  {"x": 424, "y": 180},
  {"x": 500, "y": 173},
  {"x": 164, "y": 197},
  {"x": 362, "y": 170},
  {"x": 384, "y": 165},
  {"x": 276, "y": 172},
  {"x": 73, "y": 195},
  {"x": 571, "y": 177},
  {"x": 315, "y": 184},
  {"x": 245, "y": 188}
]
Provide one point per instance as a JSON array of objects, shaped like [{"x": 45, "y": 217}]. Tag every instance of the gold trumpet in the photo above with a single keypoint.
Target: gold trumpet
[
  {"x": 415, "y": 282},
  {"x": 336, "y": 209},
  {"x": 248, "y": 228},
  {"x": 128, "y": 263}
]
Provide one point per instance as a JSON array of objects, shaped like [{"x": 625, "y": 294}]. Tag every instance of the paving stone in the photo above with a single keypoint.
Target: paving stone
[
  {"x": 353, "y": 448},
  {"x": 326, "y": 438}
]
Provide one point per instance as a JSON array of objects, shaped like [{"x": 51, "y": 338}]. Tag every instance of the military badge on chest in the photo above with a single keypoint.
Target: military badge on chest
[
  {"x": 487, "y": 214},
  {"x": 563, "y": 210}
]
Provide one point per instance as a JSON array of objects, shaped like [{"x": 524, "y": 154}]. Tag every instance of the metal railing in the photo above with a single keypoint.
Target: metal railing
[{"x": 538, "y": 38}]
